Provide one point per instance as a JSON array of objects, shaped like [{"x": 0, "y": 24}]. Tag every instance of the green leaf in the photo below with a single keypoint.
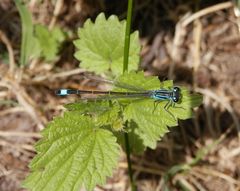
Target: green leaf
[
  {"x": 102, "y": 112},
  {"x": 89, "y": 107},
  {"x": 73, "y": 153},
  {"x": 49, "y": 41},
  {"x": 58, "y": 34},
  {"x": 135, "y": 142},
  {"x": 150, "y": 116},
  {"x": 28, "y": 44},
  {"x": 101, "y": 46},
  {"x": 138, "y": 82},
  {"x": 152, "y": 124}
]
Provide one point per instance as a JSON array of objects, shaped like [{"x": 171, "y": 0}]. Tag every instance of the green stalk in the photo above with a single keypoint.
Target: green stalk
[
  {"x": 128, "y": 152},
  {"x": 127, "y": 36},
  {"x": 125, "y": 69}
]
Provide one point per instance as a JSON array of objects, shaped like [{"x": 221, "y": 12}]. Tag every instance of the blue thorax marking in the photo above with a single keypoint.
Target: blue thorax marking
[{"x": 161, "y": 95}]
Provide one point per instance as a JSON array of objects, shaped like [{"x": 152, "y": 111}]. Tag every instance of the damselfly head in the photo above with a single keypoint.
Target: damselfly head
[{"x": 176, "y": 94}]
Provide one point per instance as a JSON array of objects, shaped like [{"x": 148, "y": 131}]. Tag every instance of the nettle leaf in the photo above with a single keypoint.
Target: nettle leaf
[
  {"x": 136, "y": 81},
  {"x": 49, "y": 41},
  {"x": 91, "y": 107},
  {"x": 150, "y": 116},
  {"x": 103, "y": 112},
  {"x": 135, "y": 142},
  {"x": 111, "y": 117},
  {"x": 73, "y": 153},
  {"x": 101, "y": 46}
]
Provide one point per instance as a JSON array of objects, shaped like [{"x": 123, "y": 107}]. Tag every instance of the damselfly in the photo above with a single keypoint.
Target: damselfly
[{"x": 172, "y": 95}]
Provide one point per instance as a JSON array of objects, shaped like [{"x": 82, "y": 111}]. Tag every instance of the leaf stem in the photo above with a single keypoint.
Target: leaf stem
[{"x": 125, "y": 69}]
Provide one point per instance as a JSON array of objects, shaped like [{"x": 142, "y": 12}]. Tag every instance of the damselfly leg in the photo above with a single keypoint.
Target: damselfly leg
[
  {"x": 166, "y": 107},
  {"x": 155, "y": 104}
]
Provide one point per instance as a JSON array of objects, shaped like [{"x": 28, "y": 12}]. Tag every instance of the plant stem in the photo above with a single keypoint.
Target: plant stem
[
  {"x": 128, "y": 152},
  {"x": 125, "y": 69},
  {"x": 127, "y": 36}
]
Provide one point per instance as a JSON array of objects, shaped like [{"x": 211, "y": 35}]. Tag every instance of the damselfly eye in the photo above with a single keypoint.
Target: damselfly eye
[
  {"x": 176, "y": 89},
  {"x": 175, "y": 99}
]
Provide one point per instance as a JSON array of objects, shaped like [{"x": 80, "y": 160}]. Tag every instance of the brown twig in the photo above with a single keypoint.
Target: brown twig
[
  {"x": 218, "y": 174},
  {"x": 57, "y": 10},
  {"x": 59, "y": 75},
  {"x": 7, "y": 43},
  {"x": 19, "y": 134},
  {"x": 17, "y": 146},
  {"x": 23, "y": 99},
  {"x": 206, "y": 11},
  {"x": 12, "y": 110},
  {"x": 222, "y": 101},
  {"x": 197, "y": 33}
]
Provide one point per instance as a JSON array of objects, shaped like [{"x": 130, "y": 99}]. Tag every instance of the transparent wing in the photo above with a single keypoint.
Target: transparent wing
[
  {"x": 116, "y": 84},
  {"x": 112, "y": 97}
]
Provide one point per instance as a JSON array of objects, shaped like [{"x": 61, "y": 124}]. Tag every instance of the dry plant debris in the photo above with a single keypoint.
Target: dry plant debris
[{"x": 202, "y": 53}]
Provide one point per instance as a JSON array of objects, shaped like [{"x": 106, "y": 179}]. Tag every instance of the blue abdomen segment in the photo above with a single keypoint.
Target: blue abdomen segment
[{"x": 62, "y": 92}]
